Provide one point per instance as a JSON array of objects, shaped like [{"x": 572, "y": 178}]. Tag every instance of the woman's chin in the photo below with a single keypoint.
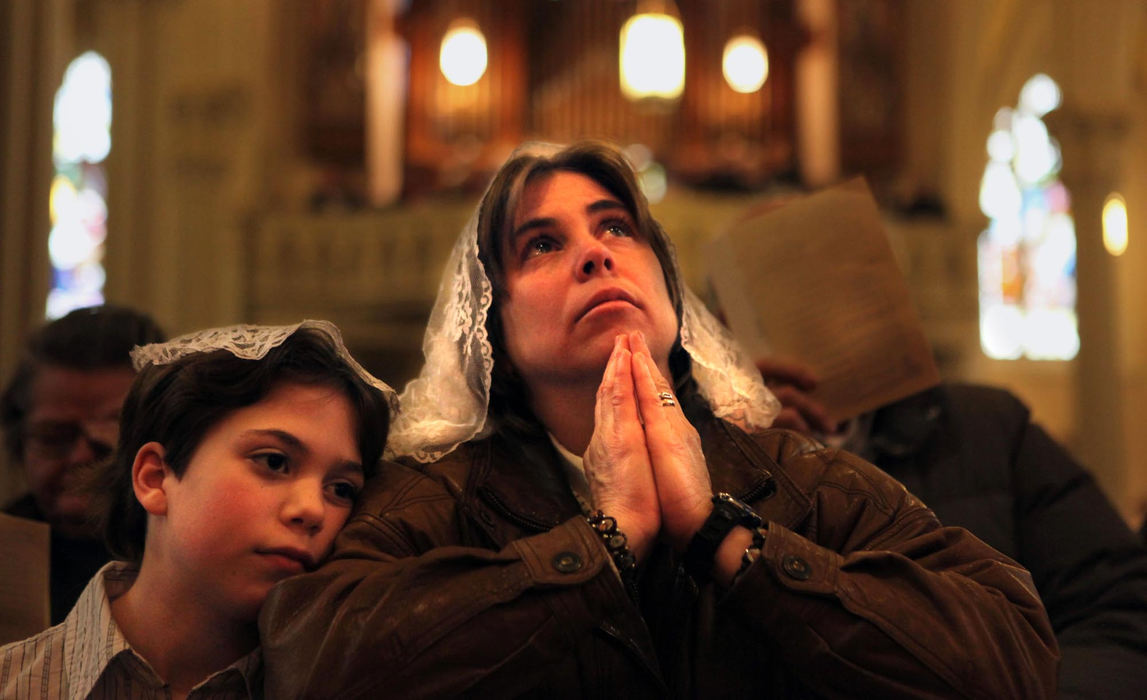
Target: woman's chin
[
  {"x": 600, "y": 346},
  {"x": 602, "y": 329}
]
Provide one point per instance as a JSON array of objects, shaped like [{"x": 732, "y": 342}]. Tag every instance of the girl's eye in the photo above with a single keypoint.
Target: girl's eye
[
  {"x": 274, "y": 461},
  {"x": 344, "y": 491}
]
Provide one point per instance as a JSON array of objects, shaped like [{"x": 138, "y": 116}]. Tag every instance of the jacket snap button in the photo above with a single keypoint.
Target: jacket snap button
[
  {"x": 567, "y": 562},
  {"x": 796, "y": 567}
]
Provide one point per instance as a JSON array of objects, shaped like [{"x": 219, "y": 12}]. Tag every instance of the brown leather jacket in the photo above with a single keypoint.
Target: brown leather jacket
[{"x": 479, "y": 576}]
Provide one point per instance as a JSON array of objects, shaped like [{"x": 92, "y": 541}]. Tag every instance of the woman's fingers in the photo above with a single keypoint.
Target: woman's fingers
[
  {"x": 605, "y": 408},
  {"x": 684, "y": 490},
  {"x": 616, "y": 461}
]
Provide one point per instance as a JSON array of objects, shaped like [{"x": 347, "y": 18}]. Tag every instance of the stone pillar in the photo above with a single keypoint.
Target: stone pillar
[
  {"x": 1092, "y": 145},
  {"x": 818, "y": 128},
  {"x": 386, "y": 70},
  {"x": 35, "y": 49}
]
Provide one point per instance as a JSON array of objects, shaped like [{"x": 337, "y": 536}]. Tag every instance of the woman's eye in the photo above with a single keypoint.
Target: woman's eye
[
  {"x": 619, "y": 228},
  {"x": 539, "y": 246},
  {"x": 345, "y": 491},
  {"x": 274, "y": 461}
]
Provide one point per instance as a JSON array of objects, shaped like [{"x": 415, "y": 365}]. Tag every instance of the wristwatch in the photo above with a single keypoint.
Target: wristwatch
[{"x": 727, "y": 514}]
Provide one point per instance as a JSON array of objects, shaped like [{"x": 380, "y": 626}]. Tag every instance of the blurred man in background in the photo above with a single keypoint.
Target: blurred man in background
[{"x": 60, "y": 414}]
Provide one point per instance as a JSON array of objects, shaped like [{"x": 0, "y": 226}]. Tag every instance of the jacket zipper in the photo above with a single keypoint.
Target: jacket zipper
[{"x": 764, "y": 489}]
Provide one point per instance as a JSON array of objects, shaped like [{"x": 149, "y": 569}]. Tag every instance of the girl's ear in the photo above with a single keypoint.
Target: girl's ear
[{"x": 147, "y": 476}]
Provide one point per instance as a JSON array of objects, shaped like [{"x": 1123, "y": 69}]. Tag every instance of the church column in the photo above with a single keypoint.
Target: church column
[
  {"x": 1092, "y": 145},
  {"x": 386, "y": 69},
  {"x": 1097, "y": 46}
]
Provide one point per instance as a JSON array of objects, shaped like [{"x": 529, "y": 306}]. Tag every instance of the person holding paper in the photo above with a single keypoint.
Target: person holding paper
[
  {"x": 970, "y": 452},
  {"x": 592, "y": 503},
  {"x": 815, "y": 278}
]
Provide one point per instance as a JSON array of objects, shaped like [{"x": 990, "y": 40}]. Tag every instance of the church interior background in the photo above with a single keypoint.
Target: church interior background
[{"x": 270, "y": 160}]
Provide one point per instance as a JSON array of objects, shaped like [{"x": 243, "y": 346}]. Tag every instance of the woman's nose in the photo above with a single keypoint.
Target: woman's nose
[{"x": 595, "y": 259}]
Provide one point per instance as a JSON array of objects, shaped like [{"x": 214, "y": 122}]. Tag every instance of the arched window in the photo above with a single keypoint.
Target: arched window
[
  {"x": 1027, "y": 253},
  {"x": 81, "y": 140}
]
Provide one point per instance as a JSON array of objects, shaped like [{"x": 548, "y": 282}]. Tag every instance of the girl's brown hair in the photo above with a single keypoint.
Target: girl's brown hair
[{"x": 176, "y": 404}]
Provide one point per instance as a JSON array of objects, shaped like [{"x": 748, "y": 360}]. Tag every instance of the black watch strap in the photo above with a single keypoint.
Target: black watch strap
[{"x": 727, "y": 514}]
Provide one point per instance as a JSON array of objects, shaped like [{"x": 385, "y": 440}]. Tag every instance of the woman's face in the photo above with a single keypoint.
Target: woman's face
[{"x": 578, "y": 272}]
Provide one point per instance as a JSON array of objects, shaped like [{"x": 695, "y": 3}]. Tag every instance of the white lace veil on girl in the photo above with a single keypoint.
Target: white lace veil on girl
[
  {"x": 251, "y": 342},
  {"x": 448, "y": 403}
]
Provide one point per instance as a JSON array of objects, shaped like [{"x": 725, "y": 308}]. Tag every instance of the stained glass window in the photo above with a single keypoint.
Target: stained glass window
[
  {"x": 1027, "y": 253},
  {"x": 81, "y": 140}
]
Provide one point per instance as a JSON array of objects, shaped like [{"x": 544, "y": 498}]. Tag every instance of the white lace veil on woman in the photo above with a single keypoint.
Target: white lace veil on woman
[{"x": 449, "y": 402}]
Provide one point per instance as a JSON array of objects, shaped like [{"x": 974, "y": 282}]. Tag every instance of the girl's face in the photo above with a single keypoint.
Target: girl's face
[
  {"x": 578, "y": 272},
  {"x": 262, "y": 498}
]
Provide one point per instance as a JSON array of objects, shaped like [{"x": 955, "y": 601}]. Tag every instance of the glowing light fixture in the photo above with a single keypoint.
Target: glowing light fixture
[
  {"x": 652, "y": 62},
  {"x": 462, "y": 57},
  {"x": 745, "y": 63},
  {"x": 1115, "y": 224}
]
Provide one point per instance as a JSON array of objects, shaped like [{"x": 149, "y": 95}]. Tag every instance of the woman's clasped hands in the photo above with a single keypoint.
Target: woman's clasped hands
[{"x": 644, "y": 462}]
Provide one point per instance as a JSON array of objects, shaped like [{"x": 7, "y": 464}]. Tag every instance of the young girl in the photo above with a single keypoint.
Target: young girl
[{"x": 241, "y": 453}]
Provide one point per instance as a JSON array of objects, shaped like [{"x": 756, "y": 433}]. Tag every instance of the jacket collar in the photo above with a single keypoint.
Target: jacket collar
[{"x": 522, "y": 478}]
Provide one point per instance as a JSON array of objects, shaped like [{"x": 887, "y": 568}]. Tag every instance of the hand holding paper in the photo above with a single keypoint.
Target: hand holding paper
[{"x": 815, "y": 280}]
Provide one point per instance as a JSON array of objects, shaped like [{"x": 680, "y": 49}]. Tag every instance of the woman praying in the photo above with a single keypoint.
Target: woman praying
[{"x": 592, "y": 504}]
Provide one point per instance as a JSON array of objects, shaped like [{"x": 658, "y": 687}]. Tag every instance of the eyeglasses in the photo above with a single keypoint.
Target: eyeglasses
[{"x": 57, "y": 439}]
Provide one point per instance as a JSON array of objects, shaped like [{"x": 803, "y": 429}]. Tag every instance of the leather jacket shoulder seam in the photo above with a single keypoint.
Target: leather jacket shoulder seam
[{"x": 911, "y": 517}]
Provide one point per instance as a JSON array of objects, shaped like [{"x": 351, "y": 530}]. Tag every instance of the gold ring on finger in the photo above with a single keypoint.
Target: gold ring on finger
[{"x": 667, "y": 399}]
